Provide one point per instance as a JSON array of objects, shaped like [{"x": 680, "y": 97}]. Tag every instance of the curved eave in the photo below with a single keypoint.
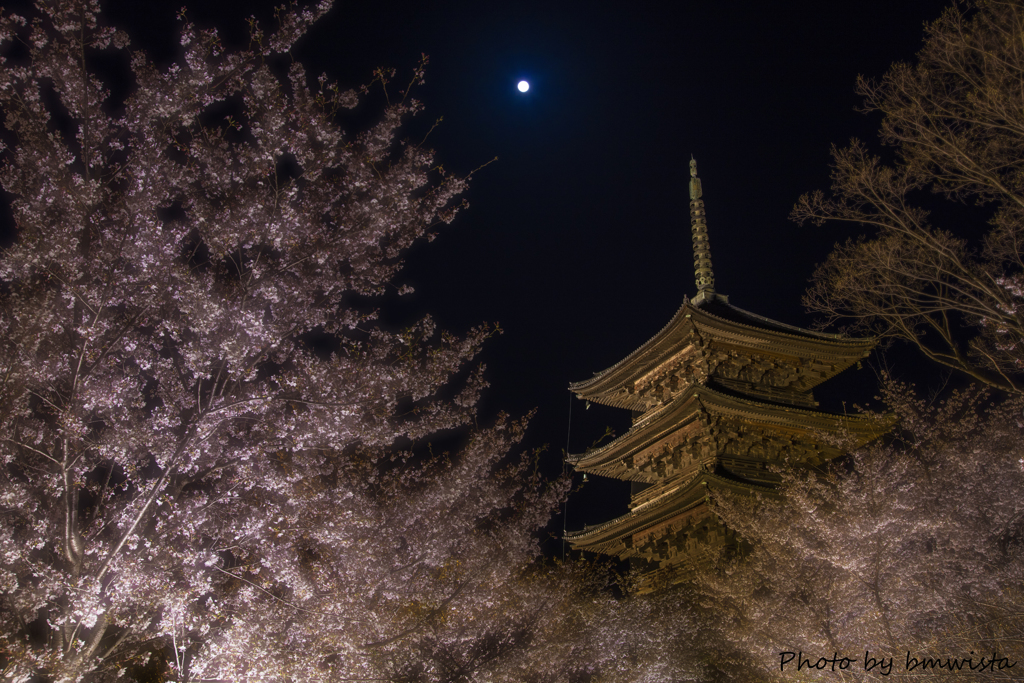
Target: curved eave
[
  {"x": 677, "y": 501},
  {"x": 806, "y": 343},
  {"x": 865, "y": 428},
  {"x": 670, "y": 417},
  {"x": 653, "y": 427},
  {"x": 842, "y": 352},
  {"x": 786, "y": 329},
  {"x": 652, "y": 353}
]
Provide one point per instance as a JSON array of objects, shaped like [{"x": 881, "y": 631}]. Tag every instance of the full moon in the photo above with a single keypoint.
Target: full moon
[{"x": 523, "y": 86}]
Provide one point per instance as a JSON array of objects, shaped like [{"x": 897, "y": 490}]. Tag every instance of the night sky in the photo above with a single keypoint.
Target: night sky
[{"x": 577, "y": 240}]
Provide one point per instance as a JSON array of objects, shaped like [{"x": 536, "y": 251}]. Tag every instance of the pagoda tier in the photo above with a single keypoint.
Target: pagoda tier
[
  {"x": 712, "y": 342},
  {"x": 707, "y": 427},
  {"x": 668, "y": 528}
]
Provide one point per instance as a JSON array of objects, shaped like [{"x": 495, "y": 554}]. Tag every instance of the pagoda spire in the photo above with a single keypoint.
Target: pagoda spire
[{"x": 698, "y": 224}]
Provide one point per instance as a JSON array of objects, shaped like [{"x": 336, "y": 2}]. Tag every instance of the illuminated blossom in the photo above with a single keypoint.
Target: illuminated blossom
[{"x": 214, "y": 467}]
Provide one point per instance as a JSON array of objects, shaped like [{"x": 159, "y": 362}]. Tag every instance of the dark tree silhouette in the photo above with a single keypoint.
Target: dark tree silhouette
[{"x": 956, "y": 119}]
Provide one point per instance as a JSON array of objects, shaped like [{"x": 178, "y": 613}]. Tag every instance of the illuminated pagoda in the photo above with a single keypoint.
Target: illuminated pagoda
[{"x": 718, "y": 396}]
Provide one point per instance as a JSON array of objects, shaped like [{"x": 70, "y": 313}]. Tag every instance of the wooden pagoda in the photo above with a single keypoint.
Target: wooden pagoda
[{"x": 718, "y": 396}]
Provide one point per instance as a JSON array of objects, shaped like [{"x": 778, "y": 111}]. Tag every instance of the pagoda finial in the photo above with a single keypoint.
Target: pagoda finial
[{"x": 701, "y": 246}]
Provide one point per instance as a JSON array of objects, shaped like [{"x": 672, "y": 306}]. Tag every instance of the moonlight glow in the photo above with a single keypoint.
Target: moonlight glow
[{"x": 523, "y": 86}]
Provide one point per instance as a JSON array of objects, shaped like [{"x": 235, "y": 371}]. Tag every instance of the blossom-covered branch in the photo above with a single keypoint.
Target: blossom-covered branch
[{"x": 187, "y": 482}]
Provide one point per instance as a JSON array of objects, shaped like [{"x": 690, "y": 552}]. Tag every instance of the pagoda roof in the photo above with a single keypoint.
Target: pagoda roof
[
  {"x": 711, "y": 317},
  {"x": 659, "y": 423},
  {"x": 688, "y": 498}
]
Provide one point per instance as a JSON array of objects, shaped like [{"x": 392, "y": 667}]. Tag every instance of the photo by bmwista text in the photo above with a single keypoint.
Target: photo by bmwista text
[{"x": 884, "y": 666}]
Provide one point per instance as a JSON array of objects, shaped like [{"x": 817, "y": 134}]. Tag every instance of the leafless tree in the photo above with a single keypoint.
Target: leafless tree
[{"x": 953, "y": 287}]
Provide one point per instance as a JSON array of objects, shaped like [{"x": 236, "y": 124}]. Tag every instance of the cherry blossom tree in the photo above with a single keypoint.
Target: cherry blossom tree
[
  {"x": 193, "y": 487},
  {"x": 949, "y": 282},
  {"x": 915, "y": 546}
]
